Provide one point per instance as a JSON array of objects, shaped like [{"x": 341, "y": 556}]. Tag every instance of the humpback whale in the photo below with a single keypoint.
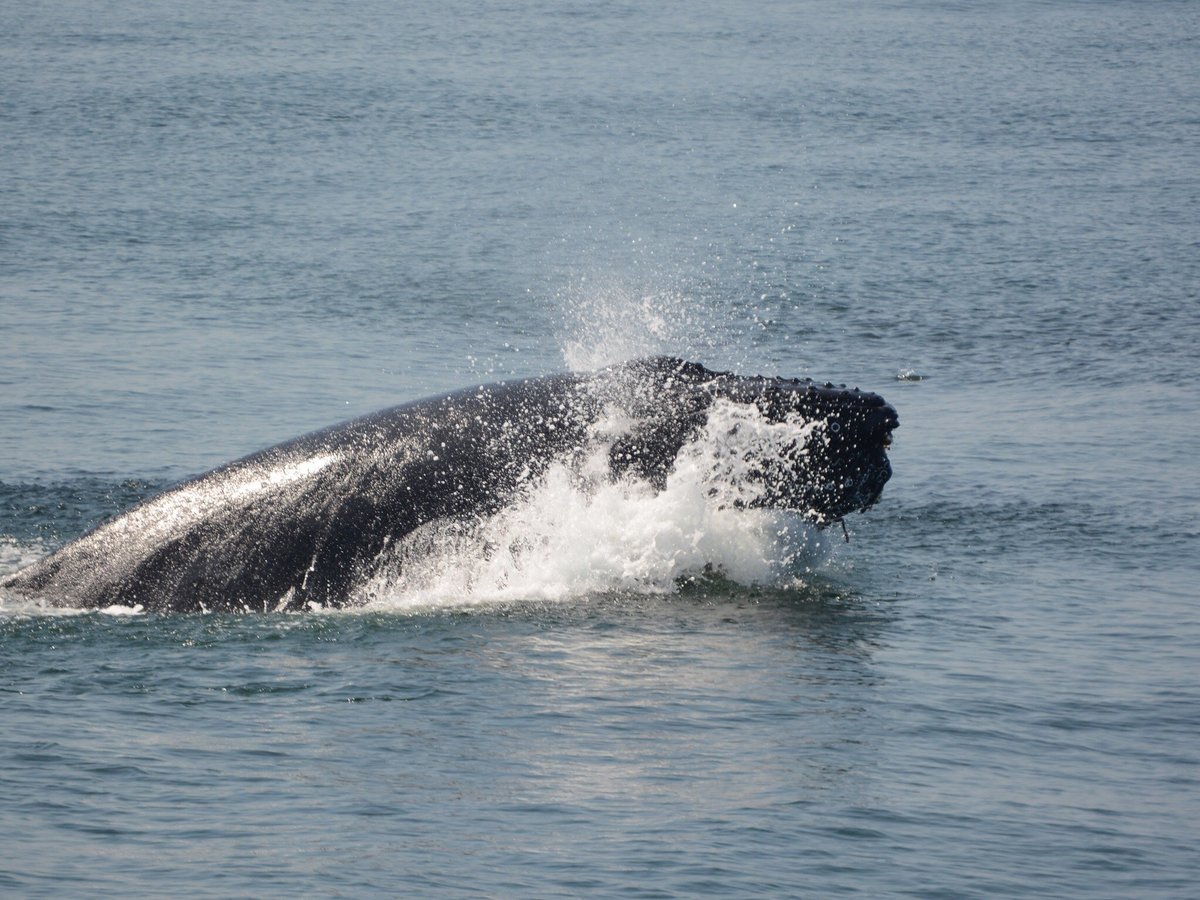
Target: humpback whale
[{"x": 304, "y": 522}]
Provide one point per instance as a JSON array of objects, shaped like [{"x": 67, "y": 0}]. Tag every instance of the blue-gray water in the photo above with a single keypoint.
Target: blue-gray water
[{"x": 225, "y": 224}]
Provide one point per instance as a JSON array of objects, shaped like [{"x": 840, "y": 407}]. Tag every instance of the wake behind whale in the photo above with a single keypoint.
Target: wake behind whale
[{"x": 479, "y": 490}]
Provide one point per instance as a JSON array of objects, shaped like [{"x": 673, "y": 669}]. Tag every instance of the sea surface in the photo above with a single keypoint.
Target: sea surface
[{"x": 226, "y": 224}]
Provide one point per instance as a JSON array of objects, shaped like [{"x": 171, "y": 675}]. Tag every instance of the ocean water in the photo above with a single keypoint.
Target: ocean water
[{"x": 223, "y": 225}]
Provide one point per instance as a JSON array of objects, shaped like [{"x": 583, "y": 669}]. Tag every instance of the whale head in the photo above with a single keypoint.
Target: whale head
[
  {"x": 841, "y": 464},
  {"x": 816, "y": 449}
]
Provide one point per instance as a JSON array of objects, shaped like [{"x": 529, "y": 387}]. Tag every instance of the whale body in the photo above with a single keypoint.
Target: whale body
[{"x": 305, "y": 522}]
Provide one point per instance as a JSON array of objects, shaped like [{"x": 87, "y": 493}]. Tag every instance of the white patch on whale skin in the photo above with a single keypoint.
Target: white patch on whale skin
[{"x": 286, "y": 599}]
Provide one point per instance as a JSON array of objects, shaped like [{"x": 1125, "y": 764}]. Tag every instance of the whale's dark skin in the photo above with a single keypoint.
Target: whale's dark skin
[{"x": 305, "y": 521}]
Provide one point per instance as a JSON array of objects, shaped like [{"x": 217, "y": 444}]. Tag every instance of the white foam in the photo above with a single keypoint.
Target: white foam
[
  {"x": 577, "y": 532},
  {"x": 116, "y": 610},
  {"x": 17, "y": 607}
]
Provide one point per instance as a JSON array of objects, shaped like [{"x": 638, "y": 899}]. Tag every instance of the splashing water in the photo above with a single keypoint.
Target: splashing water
[
  {"x": 577, "y": 531},
  {"x": 607, "y": 320},
  {"x": 636, "y": 478}
]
